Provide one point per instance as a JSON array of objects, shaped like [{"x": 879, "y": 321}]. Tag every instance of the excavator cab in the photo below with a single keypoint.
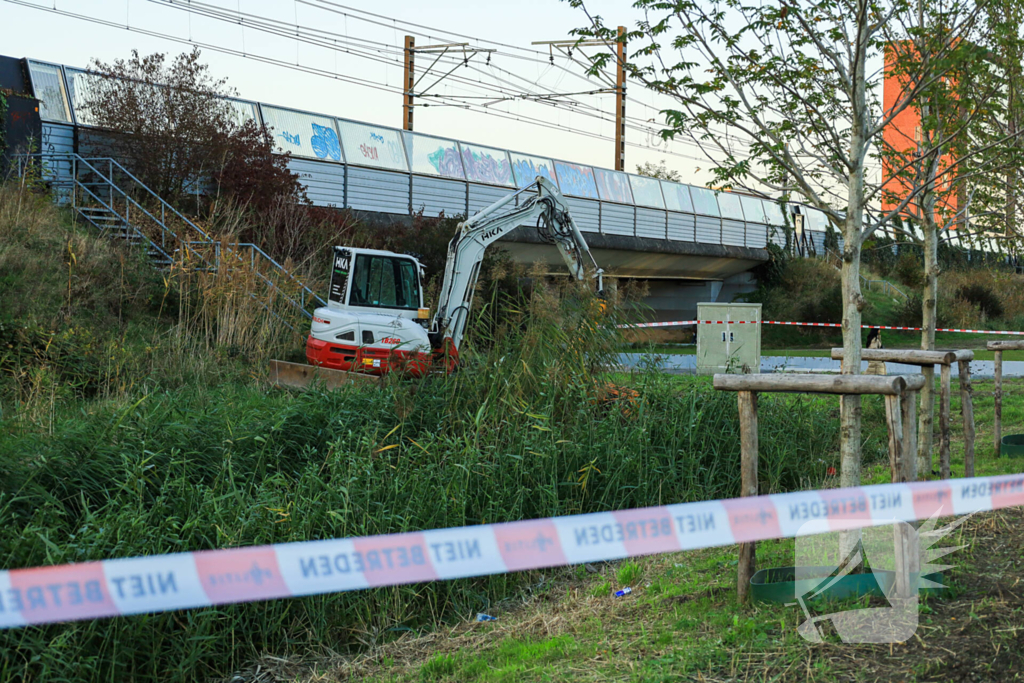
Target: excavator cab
[
  {"x": 374, "y": 320},
  {"x": 373, "y": 281}
]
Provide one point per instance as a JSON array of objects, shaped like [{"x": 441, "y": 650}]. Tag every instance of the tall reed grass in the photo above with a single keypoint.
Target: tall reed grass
[
  {"x": 84, "y": 317},
  {"x": 525, "y": 430}
]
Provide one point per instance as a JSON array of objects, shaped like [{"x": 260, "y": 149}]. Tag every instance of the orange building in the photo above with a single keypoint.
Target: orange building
[{"x": 900, "y": 140}]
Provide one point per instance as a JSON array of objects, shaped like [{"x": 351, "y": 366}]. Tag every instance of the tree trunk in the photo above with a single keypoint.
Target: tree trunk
[
  {"x": 853, "y": 300},
  {"x": 929, "y": 314},
  {"x": 1011, "y": 175}
]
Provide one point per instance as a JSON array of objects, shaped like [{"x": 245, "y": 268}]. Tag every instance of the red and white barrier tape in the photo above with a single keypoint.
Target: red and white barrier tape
[
  {"x": 684, "y": 323},
  {"x": 159, "y": 583}
]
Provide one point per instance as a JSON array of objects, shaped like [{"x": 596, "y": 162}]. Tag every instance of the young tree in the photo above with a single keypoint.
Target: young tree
[
  {"x": 659, "y": 171},
  {"x": 167, "y": 122},
  {"x": 957, "y": 147},
  {"x": 785, "y": 97}
]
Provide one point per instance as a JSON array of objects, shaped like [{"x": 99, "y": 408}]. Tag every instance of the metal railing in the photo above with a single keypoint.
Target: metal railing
[
  {"x": 227, "y": 254},
  {"x": 96, "y": 210},
  {"x": 886, "y": 287}
]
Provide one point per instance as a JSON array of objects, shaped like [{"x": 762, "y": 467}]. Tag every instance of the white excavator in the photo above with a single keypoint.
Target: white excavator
[{"x": 375, "y": 322}]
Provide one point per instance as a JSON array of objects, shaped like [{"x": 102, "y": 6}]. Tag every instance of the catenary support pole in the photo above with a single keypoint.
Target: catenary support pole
[
  {"x": 409, "y": 80},
  {"x": 620, "y": 101}
]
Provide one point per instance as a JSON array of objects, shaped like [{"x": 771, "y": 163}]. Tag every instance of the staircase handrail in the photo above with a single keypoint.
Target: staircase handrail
[
  {"x": 164, "y": 230},
  {"x": 188, "y": 245},
  {"x": 76, "y": 159},
  {"x": 267, "y": 257},
  {"x": 163, "y": 203},
  {"x": 300, "y": 305},
  {"x": 195, "y": 227},
  {"x": 79, "y": 184}
]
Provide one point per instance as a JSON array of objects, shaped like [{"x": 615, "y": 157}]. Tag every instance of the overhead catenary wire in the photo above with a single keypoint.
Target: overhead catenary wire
[
  {"x": 301, "y": 33},
  {"x": 449, "y": 100},
  {"x": 348, "y": 79}
]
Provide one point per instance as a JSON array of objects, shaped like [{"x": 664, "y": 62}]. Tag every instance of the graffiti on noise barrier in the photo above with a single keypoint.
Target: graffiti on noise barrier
[
  {"x": 371, "y": 146},
  {"x": 325, "y": 142},
  {"x": 528, "y": 168},
  {"x": 576, "y": 180},
  {"x": 483, "y": 166},
  {"x": 445, "y": 161}
]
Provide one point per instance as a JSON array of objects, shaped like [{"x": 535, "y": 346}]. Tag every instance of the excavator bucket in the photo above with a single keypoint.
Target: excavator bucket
[{"x": 301, "y": 376}]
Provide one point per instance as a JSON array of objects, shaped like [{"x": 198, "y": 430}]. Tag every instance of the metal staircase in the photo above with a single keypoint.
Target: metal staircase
[{"x": 104, "y": 194}]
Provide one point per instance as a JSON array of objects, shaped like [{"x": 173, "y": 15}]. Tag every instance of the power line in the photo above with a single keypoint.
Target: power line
[
  {"x": 285, "y": 30},
  {"x": 329, "y": 74},
  {"x": 209, "y": 46},
  {"x": 337, "y": 8},
  {"x": 327, "y": 5}
]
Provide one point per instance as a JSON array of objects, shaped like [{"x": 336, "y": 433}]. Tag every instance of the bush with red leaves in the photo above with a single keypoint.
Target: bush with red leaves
[{"x": 252, "y": 175}]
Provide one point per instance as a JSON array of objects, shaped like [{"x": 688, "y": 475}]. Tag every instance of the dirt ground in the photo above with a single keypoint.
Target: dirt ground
[{"x": 572, "y": 629}]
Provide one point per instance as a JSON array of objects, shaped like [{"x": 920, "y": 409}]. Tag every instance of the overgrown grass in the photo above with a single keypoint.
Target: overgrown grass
[
  {"x": 682, "y": 621},
  {"x": 84, "y": 317},
  {"x": 527, "y": 430},
  {"x": 185, "y": 448}
]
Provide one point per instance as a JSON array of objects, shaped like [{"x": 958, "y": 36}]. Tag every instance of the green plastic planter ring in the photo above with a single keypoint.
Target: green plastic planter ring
[
  {"x": 1012, "y": 446},
  {"x": 779, "y": 584}
]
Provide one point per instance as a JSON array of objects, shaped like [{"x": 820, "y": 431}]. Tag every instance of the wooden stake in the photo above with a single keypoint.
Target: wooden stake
[
  {"x": 907, "y": 560},
  {"x": 926, "y": 424},
  {"x": 967, "y": 410},
  {"x": 944, "y": 391},
  {"x": 894, "y": 421},
  {"x": 998, "y": 394},
  {"x": 748, "y": 473},
  {"x": 908, "y": 408}
]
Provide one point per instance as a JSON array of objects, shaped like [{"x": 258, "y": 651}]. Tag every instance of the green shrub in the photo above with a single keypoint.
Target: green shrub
[
  {"x": 983, "y": 297},
  {"x": 909, "y": 269},
  {"x": 628, "y": 574},
  {"x": 439, "y": 667},
  {"x": 827, "y": 307}
]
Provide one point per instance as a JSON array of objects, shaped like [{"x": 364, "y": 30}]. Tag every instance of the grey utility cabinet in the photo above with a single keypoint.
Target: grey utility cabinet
[{"x": 731, "y": 341}]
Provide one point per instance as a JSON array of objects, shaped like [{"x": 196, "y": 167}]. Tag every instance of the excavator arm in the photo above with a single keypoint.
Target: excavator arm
[{"x": 546, "y": 208}]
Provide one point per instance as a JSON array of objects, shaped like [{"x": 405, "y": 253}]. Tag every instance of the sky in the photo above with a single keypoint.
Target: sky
[{"x": 36, "y": 33}]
